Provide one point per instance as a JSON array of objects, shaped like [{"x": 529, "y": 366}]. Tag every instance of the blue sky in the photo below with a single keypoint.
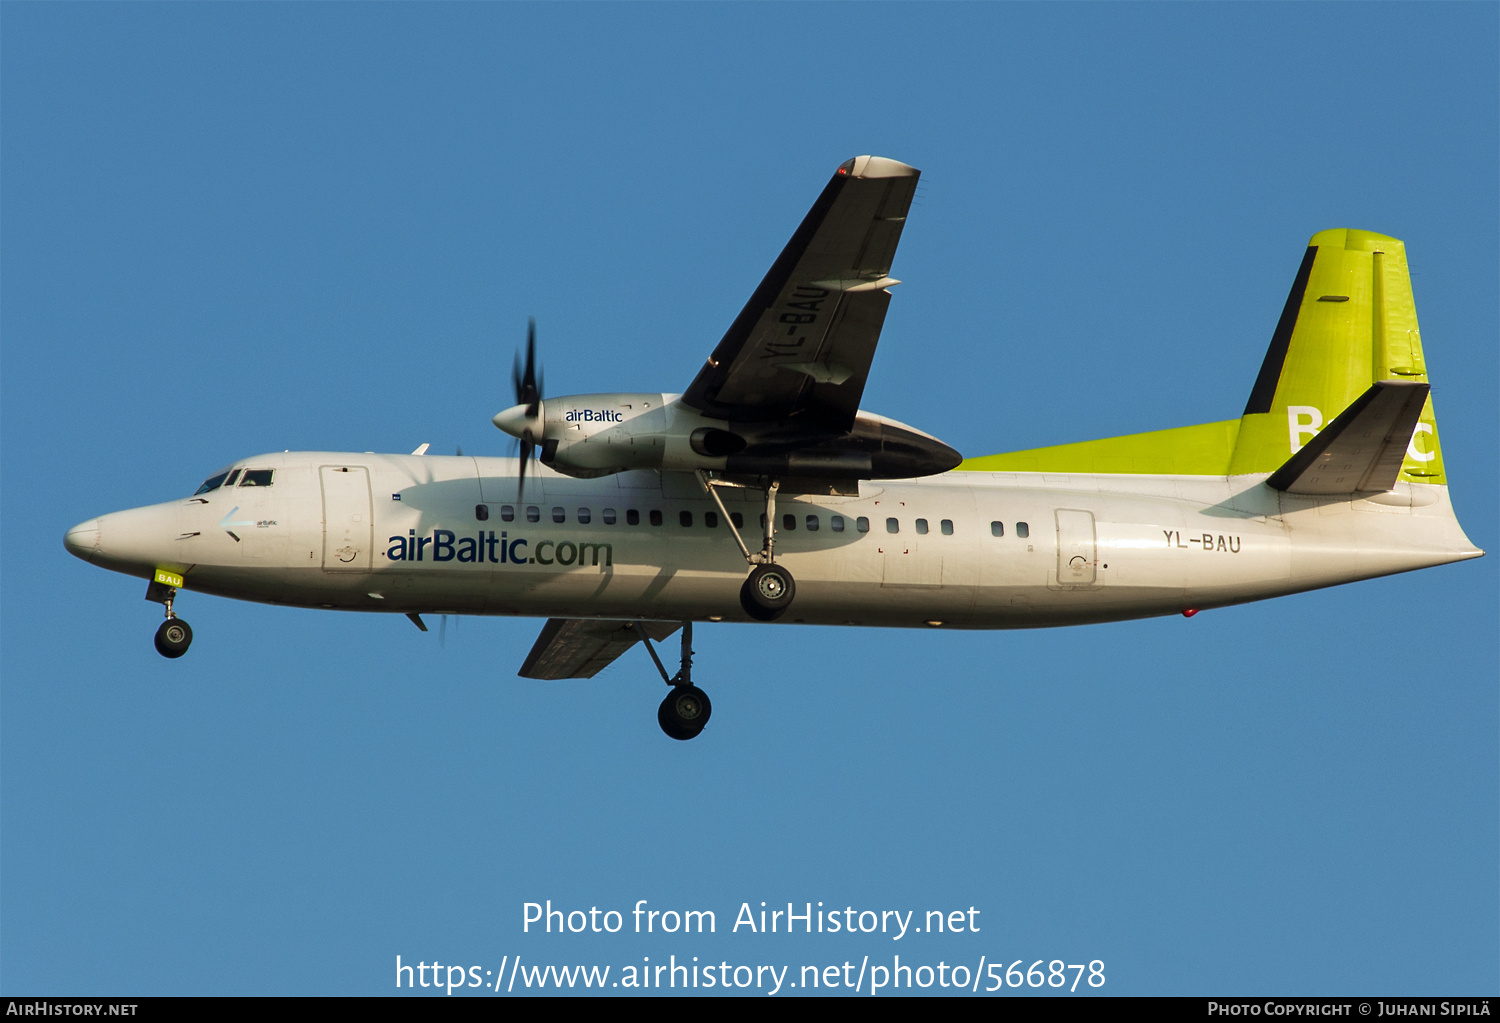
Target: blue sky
[{"x": 227, "y": 229}]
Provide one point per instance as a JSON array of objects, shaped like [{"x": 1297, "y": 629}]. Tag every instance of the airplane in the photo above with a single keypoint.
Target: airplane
[{"x": 765, "y": 493}]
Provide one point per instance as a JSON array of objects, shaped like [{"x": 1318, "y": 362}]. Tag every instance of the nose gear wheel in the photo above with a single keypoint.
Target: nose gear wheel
[{"x": 173, "y": 637}]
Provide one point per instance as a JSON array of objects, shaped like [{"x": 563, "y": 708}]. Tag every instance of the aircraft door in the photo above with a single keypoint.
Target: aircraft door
[
  {"x": 1077, "y": 554},
  {"x": 347, "y": 522}
]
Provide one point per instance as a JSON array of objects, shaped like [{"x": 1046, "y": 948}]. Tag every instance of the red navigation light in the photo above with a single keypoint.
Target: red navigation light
[{"x": 1188, "y": 612}]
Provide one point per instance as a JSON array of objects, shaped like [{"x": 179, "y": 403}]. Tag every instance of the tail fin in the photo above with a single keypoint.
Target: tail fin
[{"x": 1349, "y": 322}]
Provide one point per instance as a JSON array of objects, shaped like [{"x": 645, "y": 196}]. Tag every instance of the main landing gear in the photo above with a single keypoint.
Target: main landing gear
[
  {"x": 685, "y": 711},
  {"x": 768, "y": 592},
  {"x": 174, "y": 636},
  {"x": 770, "y": 589}
]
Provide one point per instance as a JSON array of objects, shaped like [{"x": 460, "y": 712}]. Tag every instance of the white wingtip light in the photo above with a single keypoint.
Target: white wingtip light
[{"x": 876, "y": 167}]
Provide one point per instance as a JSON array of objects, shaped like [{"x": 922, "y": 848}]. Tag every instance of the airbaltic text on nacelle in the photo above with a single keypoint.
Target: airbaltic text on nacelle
[{"x": 795, "y": 919}]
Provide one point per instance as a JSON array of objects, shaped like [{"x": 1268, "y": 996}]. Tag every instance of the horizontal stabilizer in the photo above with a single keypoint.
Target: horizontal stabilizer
[
  {"x": 583, "y": 647},
  {"x": 1361, "y": 451}
]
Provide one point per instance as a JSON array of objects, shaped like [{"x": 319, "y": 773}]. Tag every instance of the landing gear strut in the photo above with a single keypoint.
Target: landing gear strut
[
  {"x": 685, "y": 711},
  {"x": 769, "y": 590},
  {"x": 174, "y": 636}
]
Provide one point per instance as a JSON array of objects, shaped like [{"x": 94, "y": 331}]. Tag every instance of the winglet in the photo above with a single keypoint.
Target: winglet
[{"x": 1361, "y": 451}]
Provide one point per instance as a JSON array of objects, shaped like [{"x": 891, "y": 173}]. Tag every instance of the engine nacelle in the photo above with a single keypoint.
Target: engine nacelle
[{"x": 597, "y": 434}]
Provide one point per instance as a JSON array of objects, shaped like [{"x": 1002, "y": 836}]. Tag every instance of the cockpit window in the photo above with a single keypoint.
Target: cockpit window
[
  {"x": 256, "y": 478},
  {"x": 232, "y": 477},
  {"x": 212, "y": 483}
]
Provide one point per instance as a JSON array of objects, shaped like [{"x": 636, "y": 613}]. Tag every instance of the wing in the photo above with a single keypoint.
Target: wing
[
  {"x": 582, "y": 647},
  {"x": 803, "y": 343}
]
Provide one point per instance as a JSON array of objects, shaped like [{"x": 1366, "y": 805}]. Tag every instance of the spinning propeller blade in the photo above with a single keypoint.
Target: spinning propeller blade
[{"x": 528, "y": 393}]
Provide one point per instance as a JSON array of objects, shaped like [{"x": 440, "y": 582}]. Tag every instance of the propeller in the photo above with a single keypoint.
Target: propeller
[{"x": 524, "y": 420}]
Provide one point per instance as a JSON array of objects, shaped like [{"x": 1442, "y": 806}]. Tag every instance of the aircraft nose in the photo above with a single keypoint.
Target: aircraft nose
[{"x": 83, "y": 539}]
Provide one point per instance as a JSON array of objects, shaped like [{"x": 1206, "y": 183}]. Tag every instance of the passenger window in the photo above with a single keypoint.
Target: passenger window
[
  {"x": 789, "y": 522},
  {"x": 836, "y": 523},
  {"x": 892, "y": 526},
  {"x": 482, "y": 512},
  {"x": 211, "y": 484},
  {"x": 997, "y": 529},
  {"x": 559, "y": 515},
  {"x": 507, "y": 513},
  {"x": 256, "y": 478},
  {"x": 862, "y": 524},
  {"x": 812, "y": 523},
  {"x": 655, "y": 517},
  {"x": 1023, "y": 530},
  {"x": 711, "y": 520},
  {"x": 921, "y": 527},
  {"x": 632, "y": 518},
  {"x": 946, "y": 526},
  {"x": 609, "y": 516},
  {"x": 685, "y": 518},
  {"x": 737, "y": 519},
  {"x": 584, "y": 515},
  {"x": 533, "y": 513}
]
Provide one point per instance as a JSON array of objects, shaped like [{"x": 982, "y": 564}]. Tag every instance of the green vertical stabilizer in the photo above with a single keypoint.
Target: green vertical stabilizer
[{"x": 1350, "y": 322}]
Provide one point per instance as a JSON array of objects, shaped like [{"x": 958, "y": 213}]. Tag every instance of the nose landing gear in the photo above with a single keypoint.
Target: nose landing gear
[{"x": 174, "y": 636}]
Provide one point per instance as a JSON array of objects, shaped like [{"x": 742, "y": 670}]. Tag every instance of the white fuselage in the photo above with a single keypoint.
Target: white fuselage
[{"x": 403, "y": 533}]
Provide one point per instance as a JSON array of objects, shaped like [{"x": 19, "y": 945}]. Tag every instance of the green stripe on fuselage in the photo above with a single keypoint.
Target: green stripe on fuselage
[{"x": 1202, "y": 450}]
